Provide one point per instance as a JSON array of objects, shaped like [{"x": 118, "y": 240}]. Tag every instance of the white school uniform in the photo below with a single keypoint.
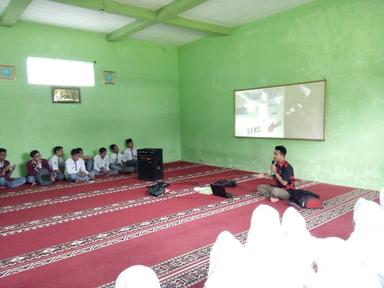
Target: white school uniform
[
  {"x": 116, "y": 159},
  {"x": 100, "y": 164},
  {"x": 56, "y": 163},
  {"x": 75, "y": 167},
  {"x": 130, "y": 154}
]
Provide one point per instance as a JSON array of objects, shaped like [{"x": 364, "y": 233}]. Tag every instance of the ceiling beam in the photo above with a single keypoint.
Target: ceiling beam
[
  {"x": 133, "y": 27},
  {"x": 176, "y": 8},
  {"x": 13, "y": 12},
  {"x": 167, "y": 12},
  {"x": 128, "y": 10},
  {"x": 146, "y": 17},
  {"x": 199, "y": 25},
  {"x": 112, "y": 7},
  {"x": 138, "y": 25}
]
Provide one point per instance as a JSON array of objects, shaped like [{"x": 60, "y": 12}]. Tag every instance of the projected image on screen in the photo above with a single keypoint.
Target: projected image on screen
[{"x": 291, "y": 111}]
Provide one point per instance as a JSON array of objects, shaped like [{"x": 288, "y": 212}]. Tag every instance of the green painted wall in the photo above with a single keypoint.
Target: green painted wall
[
  {"x": 143, "y": 105},
  {"x": 158, "y": 85},
  {"x": 341, "y": 41}
]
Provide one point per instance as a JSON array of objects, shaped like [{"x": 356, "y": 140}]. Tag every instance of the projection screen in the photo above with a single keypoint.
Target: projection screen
[{"x": 294, "y": 111}]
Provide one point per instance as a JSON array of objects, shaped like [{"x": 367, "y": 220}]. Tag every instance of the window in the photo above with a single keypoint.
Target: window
[{"x": 45, "y": 71}]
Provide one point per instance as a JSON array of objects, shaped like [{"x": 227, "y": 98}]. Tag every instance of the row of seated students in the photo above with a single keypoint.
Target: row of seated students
[{"x": 77, "y": 168}]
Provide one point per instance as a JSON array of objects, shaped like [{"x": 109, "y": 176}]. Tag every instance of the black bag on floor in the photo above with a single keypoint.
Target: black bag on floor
[
  {"x": 225, "y": 183},
  {"x": 158, "y": 188},
  {"x": 305, "y": 199}
]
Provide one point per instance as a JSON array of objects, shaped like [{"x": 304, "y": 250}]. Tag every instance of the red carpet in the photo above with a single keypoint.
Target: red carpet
[{"x": 84, "y": 235}]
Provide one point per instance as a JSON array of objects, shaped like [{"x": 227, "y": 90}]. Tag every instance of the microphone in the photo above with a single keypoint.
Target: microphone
[{"x": 273, "y": 163}]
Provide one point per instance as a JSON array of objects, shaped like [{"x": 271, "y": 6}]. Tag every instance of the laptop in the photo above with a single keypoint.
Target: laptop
[{"x": 220, "y": 191}]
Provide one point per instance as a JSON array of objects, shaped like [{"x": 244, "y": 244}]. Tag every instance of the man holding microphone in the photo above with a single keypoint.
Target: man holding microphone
[{"x": 282, "y": 173}]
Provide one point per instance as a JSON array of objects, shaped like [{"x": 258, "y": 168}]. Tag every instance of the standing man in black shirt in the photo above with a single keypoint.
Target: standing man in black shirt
[{"x": 282, "y": 173}]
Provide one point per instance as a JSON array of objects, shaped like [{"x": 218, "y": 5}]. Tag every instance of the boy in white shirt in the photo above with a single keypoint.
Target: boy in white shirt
[
  {"x": 101, "y": 164},
  {"x": 130, "y": 154},
  {"x": 57, "y": 163},
  {"x": 75, "y": 168},
  {"x": 88, "y": 160},
  {"x": 117, "y": 161}
]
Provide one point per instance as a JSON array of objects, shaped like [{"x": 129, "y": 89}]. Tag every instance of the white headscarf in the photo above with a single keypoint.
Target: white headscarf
[
  {"x": 338, "y": 266},
  {"x": 263, "y": 262},
  {"x": 265, "y": 230},
  {"x": 225, "y": 262},
  {"x": 367, "y": 240},
  {"x": 282, "y": 255},
  {"x": 299, "y": 249},
  {"x": 137, "y": 276},
  {"x": 368, "y": 215}
]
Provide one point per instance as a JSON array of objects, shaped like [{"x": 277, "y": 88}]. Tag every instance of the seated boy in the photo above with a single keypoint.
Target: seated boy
[
  {"x": 130, "y": 154},
  {"x": 88, "y": 160},
  {"x": 6, "y": 170},
  {"x": 101, "y": 164},
  {"x": 38, "y": 170},
  {"x": 117, "y": 161},
  {"x": 57, "y": 163},
  {"x": 75, "y": 168}
]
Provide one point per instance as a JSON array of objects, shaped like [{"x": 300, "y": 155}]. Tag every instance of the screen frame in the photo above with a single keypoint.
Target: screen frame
[{"x": 281, "y": 85}]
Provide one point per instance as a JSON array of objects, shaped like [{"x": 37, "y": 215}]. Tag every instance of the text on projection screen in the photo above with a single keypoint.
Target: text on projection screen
[{"x": 292, "y": 111}]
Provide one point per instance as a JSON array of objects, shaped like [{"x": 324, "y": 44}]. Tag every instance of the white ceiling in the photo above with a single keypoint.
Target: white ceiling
[
  {"x": 229, "y": 13},
  {"x": 233, "y": 13},
  {"x": 52, "y": 13},
  {"x": 166, "y": 34}
]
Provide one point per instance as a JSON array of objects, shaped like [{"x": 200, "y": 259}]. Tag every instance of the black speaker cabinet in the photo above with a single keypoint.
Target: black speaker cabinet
[{"x": 150, "y": 164}]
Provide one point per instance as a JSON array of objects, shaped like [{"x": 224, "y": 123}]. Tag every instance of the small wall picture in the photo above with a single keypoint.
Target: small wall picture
[
  {"x": 7, "y": 72},
  {"x": 109, "y": 77},
  {"x": 65, "y": 95}
]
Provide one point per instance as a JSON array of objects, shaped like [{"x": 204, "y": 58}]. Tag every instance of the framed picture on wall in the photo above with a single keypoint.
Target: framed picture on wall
[
  {"x": 109, "y": 77},
  {"x": 7, "y": 72},
  {"x": 65, "y": 95}
]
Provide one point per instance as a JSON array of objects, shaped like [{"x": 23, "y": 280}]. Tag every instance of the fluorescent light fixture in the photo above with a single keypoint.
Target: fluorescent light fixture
[{"x": 47, "y": 71}]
